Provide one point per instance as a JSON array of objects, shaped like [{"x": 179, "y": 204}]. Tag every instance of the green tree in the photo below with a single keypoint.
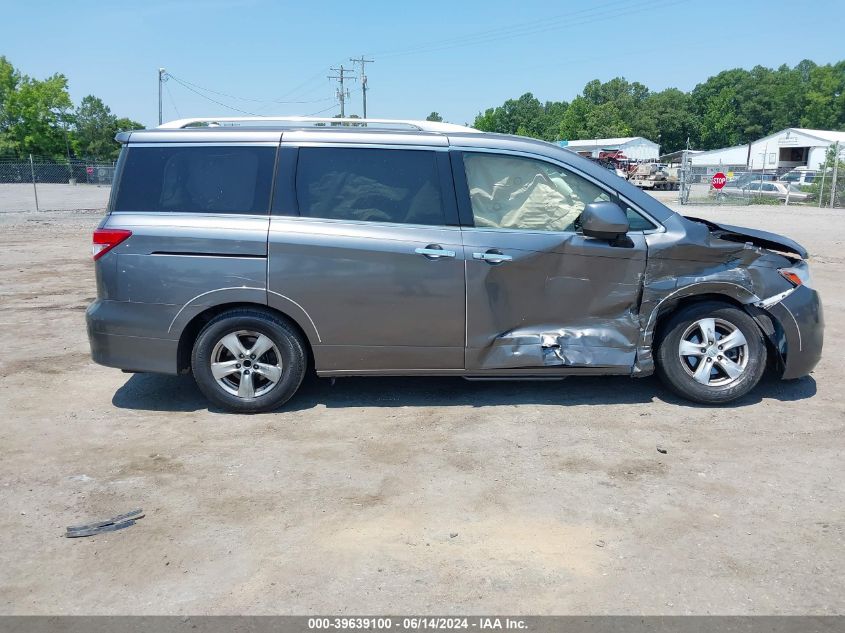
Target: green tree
[
  {"x": 95, "y": 125},
  {"x": 825, "y": 98},
  {"x": 434, "y": 116},
  {"x": 31, "y": 112},
  {"x": 823, "y": 189},
  {"x": 95, "y": 129},
  {"x": 9, "y": 80},
  {"x": 669, "y": 117},
  {"x": 525, "y": 116}
]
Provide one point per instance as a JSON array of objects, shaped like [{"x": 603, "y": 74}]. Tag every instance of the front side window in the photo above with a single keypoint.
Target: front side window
[
  {"x": 369, "y": 185},
  {"x": 198, "y": 179},
  {"x": 512, "y": 192},
  {"x": 637, "y": 222}
]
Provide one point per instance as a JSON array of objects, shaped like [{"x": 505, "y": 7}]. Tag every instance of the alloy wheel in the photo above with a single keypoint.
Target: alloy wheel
[
  {"x": 714, "y": 352},
  {"x": 246, "y": 364}
]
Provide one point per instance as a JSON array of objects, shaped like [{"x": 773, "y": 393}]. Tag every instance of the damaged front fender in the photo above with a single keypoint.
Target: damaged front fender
[{"x": 693, "y": 259}]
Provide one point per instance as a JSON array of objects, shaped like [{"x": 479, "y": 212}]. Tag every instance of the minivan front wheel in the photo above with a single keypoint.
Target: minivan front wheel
[
  {"x": 711, "y": 353},
  {"x": 248, "y": 361}
]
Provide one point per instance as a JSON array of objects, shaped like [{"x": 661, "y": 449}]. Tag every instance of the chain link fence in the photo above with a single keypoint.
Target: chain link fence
[
  {"x": 41, "y": 184},
  {"x": 823, "y": 187}
]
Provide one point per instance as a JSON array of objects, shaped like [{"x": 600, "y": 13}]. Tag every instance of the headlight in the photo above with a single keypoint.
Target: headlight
[{"x": 797, "y": 275}]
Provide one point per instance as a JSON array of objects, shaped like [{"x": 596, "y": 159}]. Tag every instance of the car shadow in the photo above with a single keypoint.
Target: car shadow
[{"x": 154, "y": 392}]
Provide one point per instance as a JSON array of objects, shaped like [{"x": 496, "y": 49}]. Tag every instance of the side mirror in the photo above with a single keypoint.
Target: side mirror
[{"x": 604, "y": 221}]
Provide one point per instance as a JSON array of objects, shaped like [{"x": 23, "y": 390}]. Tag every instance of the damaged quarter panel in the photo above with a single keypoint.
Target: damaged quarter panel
[{"x": 694, "y": 258}]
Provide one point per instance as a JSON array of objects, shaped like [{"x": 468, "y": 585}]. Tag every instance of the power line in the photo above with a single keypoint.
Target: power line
[
  {"x": 331, "y": 107},
  {"x": 172, "y": 101},
  {"x": 230, "y": 96},
  {"x": 589, "y": 15},
  {"x": 204, "y": 96}
]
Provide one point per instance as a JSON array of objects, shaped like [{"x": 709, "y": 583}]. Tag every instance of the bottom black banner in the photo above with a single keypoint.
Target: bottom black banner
[{"x": 538, "y": 624}]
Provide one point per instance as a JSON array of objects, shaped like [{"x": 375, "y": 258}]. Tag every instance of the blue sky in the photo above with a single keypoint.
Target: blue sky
[{"x": 457, "y": 57}]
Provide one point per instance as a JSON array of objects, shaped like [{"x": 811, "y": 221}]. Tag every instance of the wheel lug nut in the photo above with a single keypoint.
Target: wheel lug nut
[
  {"x": 246, "y": 372},
  {"x": 252, "y": 356},
  {"x": 709, "y": 360},
  {"x": 240, "y": 355},
  {"x": 720, "y": 348},
  {"x": 237, "y": 365}
]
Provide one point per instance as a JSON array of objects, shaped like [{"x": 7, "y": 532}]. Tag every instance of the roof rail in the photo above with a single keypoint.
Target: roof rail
[{"x": 422, "y": 126}]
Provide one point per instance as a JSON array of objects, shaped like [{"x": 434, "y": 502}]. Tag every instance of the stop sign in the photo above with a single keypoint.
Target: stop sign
[{"x": 718, "y": 180}]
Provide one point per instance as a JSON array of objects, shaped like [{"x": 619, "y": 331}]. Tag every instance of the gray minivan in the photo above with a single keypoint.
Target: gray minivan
[{"x": 246, "y": 250}]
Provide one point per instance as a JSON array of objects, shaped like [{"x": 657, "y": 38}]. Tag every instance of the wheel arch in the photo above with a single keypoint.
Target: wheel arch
[
  {"x": 666, "y": 311},
  {"x": 768, "y": 324},
  {"x": 194, "y": 326}
]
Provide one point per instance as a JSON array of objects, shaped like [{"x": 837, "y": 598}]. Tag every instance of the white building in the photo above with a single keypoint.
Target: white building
[
  {"x": 634, "y": 147},
  {"x": 784, "y": 150}
]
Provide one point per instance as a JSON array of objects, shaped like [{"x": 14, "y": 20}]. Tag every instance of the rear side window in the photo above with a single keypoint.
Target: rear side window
[
  {"x": 371, "y": 185},
  {"x": 208, "y": 179}
]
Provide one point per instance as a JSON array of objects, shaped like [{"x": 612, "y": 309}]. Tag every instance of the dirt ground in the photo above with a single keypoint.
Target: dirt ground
[{"x": 408, "y": 495}]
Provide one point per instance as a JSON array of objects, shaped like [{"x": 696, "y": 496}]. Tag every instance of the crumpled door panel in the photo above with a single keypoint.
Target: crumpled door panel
[{"x": 571, "y": 302}]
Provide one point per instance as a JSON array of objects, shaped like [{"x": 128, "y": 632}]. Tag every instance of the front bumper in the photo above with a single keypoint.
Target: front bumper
[
  {"x": 801, "y": 335},
  {"x": 107, "y": 322}
]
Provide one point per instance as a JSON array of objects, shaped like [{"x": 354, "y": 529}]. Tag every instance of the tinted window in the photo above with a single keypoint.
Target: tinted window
[
  {"x": 373, "y": 185},
  {"x": 210, "y": 179},
  {"x": 512, "y": 192}
]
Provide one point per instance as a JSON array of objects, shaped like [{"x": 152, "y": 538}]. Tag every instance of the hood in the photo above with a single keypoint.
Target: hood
[{"x": 764, "y": 239}]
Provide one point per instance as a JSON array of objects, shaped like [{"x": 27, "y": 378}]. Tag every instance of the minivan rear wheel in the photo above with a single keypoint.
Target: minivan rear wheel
[
  {"x": 711, "y": 352},
  {"x": 248, "y": 361}
]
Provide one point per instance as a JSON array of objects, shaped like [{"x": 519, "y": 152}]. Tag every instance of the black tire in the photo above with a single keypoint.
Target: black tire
[
  {"x": 288, "y": 346},
  {"x": 677, "y": 373}
]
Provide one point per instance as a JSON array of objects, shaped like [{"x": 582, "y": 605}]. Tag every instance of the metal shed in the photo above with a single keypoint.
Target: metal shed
[{"x": 634, "y": 147}]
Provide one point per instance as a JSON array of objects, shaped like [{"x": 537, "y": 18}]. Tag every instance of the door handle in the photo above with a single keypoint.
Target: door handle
[
  {"x": 434, "y": 251},
  {"x": 492, "y": 257}
]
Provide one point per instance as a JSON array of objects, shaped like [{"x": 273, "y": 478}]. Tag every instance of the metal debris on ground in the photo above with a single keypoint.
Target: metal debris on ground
[{"x": 109, "y": 525}]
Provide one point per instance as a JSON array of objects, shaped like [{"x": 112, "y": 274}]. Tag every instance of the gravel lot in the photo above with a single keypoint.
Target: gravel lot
[{"x": 408, "y": 495}]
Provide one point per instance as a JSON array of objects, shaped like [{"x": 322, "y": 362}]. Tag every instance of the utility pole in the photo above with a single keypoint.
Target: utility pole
[
  {"x": 834, "y": 175},
  {"x": 342, "y": 93},
  {"x": 162, "y": 77},
  {"x": 363, "y": 62}
]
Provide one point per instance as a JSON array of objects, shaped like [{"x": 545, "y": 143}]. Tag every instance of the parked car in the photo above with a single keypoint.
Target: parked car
[
  {"x": 777, "y": 190},
  {"x": 741, "y": 180},
  {"x": 799, "y": 176},
  {"x": 247, "y": 253}
]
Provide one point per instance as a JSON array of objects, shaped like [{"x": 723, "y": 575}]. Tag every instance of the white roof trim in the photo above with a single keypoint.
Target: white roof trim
[{"x": 422, "y": 126}]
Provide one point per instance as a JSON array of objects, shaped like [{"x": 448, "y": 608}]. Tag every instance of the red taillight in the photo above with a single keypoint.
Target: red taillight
[{"x": 107, "y": 239}]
